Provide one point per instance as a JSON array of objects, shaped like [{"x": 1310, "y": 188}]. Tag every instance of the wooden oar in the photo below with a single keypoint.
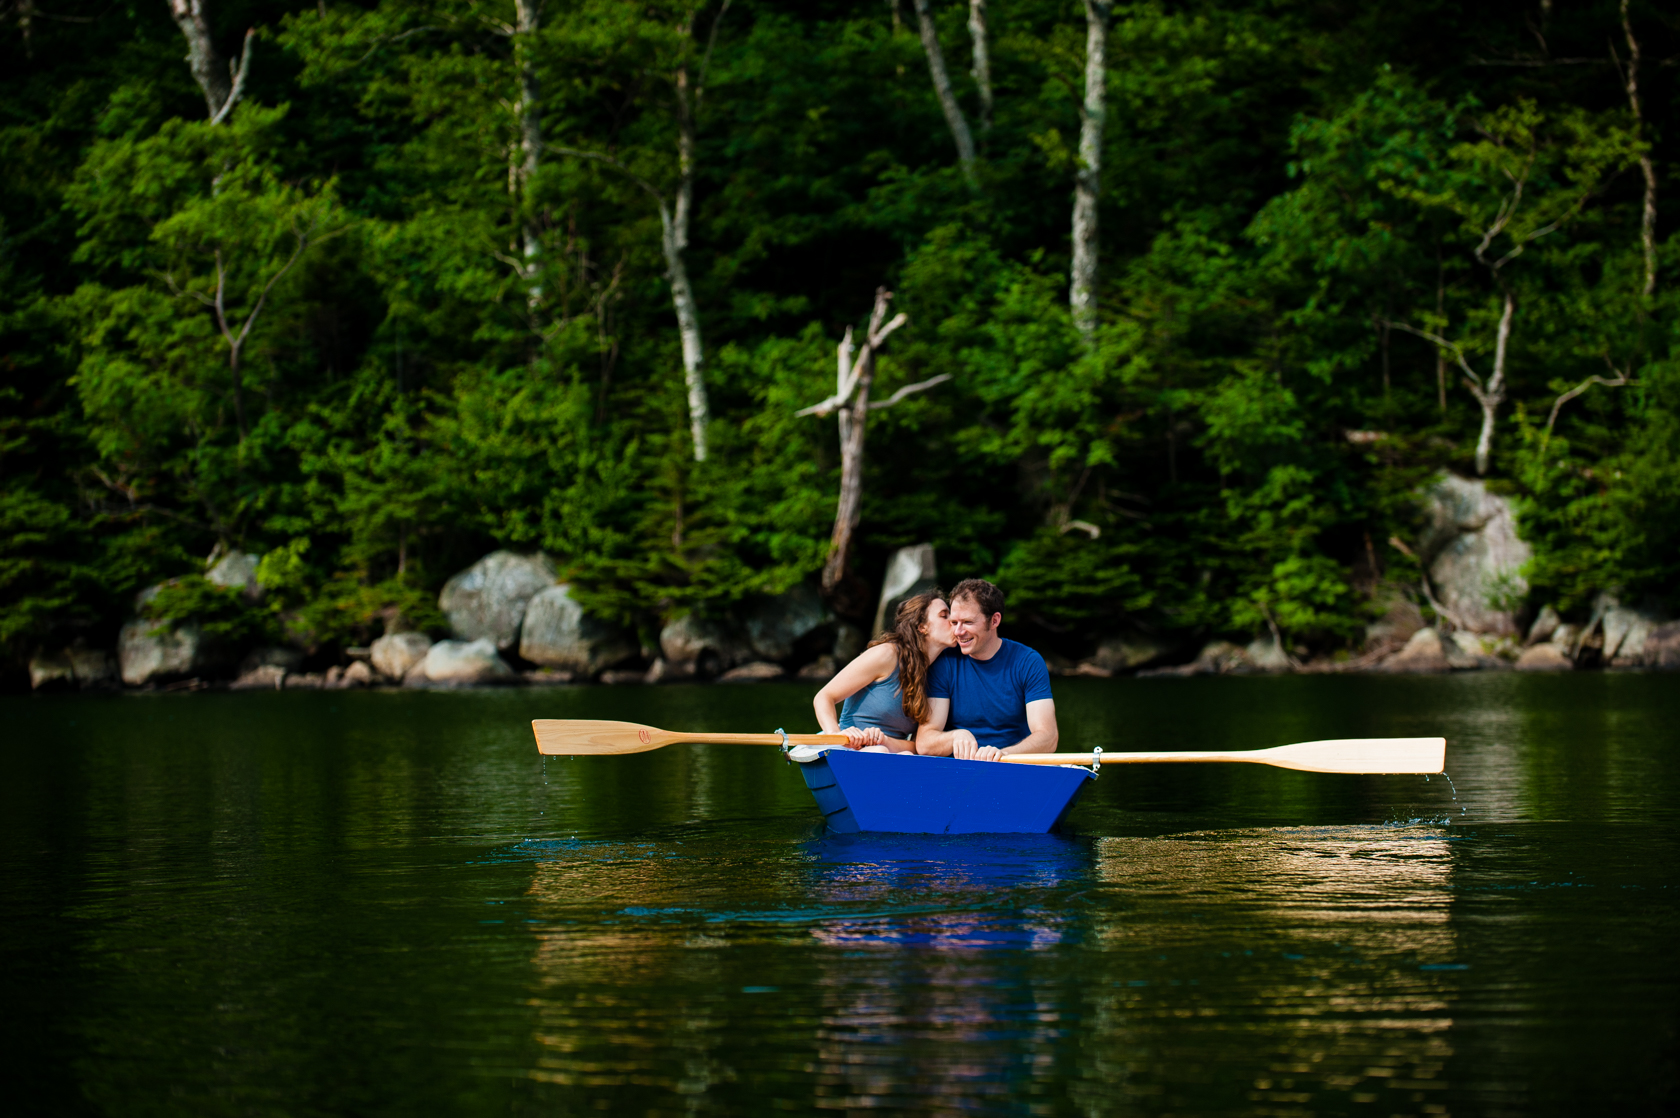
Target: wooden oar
[
  {"x": 1346, "y": 755},
  {"x": 584, "y": 737}
]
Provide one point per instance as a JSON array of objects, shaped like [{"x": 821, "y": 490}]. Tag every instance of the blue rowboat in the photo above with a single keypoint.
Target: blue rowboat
[{"x": 908, "y": 794}]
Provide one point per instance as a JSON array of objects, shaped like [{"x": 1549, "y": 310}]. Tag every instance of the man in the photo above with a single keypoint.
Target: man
[{"x": 996, "y": 695}]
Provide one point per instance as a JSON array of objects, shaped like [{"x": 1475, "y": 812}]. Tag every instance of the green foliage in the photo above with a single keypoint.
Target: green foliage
[{"x": 350, "y": 329}]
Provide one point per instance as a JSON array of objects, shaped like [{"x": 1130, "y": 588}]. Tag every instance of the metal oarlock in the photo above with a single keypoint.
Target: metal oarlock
[
  {"x": 1096, "y": 760},
  {"x": 785, "y": 746}
]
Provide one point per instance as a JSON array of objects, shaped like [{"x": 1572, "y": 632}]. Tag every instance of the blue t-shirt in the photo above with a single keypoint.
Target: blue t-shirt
[{"x": 989, "y": 697}]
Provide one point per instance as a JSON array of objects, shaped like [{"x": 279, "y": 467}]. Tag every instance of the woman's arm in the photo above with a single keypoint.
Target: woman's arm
[{"x": 873, "y": 666}]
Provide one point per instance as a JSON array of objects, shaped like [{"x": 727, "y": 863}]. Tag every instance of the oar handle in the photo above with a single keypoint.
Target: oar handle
[{"x": 762, "y": 739}]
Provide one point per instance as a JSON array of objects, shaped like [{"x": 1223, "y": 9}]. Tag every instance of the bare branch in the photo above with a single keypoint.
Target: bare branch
[
  {"x": 615, "y": 164},
  {"x": 1449, "y": 347},
  {"x": 1618, "y": 381},
  {"x": 706, "y": 59},
  {"x": 239, "y": 74},
  {"x": 909, "y": 390}
]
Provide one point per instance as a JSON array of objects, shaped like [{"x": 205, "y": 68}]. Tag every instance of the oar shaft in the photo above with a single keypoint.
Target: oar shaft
[
  {"x": 1136, "y": 758},
  {"x": 762, "y": 739}
]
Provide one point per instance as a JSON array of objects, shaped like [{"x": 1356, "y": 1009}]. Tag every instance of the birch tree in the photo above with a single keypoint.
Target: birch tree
[
  {"x": 982, "y": 62},
  {"x": 688, "y": 87},
  {"x": 947, "y": 96},
  {"x": 850, "y": 404},
  {"x": 1648, "y": 212},
  {"x": 1082, "y": 291},
  {"x": 222, "y": 91},
  {"x": 1523, "y": 180},
  {"x": 527, "y": 161}
]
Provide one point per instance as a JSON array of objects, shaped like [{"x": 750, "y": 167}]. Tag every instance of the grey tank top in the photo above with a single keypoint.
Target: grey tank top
[{"x": 880, "y": 705}]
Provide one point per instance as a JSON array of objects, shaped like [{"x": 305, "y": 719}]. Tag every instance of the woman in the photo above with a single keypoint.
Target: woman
[{"x": 885, "y": 689}]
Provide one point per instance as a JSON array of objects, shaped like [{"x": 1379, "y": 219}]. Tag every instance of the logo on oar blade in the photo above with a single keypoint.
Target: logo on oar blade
[{"x": 645, "y": 736}]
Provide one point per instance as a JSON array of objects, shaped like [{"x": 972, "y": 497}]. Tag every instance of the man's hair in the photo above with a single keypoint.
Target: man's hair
[{"x": 982, "y": 593}]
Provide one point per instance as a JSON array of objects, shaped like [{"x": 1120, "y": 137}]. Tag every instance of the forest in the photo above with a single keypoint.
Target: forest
[{"x": 1156, "y": 314}]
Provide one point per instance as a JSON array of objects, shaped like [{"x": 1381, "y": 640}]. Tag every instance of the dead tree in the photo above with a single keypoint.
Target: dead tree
[
  {"x": 854, "y": 374},
  {"x": 1082, "y": 288},
  {"x": 222, "y": 91}
]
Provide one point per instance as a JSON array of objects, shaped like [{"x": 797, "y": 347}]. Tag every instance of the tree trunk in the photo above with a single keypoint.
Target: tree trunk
[
  {"x": 1493, "y": 394},
  {"x": 1082, "y": 294},
  {"x": 947, "y": 99},
  {"x": 530, "y": 144},
  {"x": 982, "y": 62},
  {"x": 1648, "y": 218},
  {"x": 221, "y": 83},
  {"x": 675, "y": 225},
  {"x": 1441, "y": 314},
  {"x": 853, "y": 420}
]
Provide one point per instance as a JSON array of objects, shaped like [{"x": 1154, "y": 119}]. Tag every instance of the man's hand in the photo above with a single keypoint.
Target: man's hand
[
  {"x": 967, "y": 749},
  {"x": 857, "y": 738}
]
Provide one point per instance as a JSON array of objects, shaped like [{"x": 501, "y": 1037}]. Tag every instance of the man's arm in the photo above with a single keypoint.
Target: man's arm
[
  {"x": 1041, "y": 720},
  {"x": 934, "y": 740}
]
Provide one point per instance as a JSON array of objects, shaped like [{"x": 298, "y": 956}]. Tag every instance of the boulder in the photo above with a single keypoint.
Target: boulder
[
  {"x": 305, "y": 681},
  {"x": 547, "y": 677},
  {"x": 756, "y": 672},
  {"x": 820, "y": 670},
  {"x": 94, "y": 667},
  {"x": 1267, "y": 655},
  {"x": 1473, "y": 554},
  {"x": 849, "y": 642},
  {"x": 1215, "y": 658},
  {"x": 1399, "y": 621},
  {"x": 557, "y": 633},
  {"x": 1662, "y": 646},
  {"x": 51, "y": 671},
  {"x": 487, "y": 600},
  {"x": 460, "y": 664},
  {"x": 1544, "y": 626},
  {"x": 782, "y": 627},
  {"x": 1544, "y": 658},
  {"x": 1471, "y": 652},
  {"x": 153, "y": 651},
  {"x": 1125, "y": 652},
  {"x": 237, "y": 570},
  {"x": 394, "y": 654},
  {"x": 910, "y": 571},
  {"x": 358, "y": 674},
  {"x": 701, "y": 646},
  {"x": 262, "y": 677},
  {"x": 664, "y": 671},
  {"x": 286, "y": 659},
  {"x": 1626, "y": 633},
  {"x": 1423, "y": 653},
  {"x": 624, "y": 675}
]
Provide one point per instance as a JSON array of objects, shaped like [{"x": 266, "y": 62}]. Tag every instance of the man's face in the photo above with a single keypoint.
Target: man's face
[{"x": 972, "y": 629}]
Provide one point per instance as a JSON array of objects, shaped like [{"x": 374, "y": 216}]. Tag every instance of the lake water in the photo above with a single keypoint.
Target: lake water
[{"x": 388, "y": 903}]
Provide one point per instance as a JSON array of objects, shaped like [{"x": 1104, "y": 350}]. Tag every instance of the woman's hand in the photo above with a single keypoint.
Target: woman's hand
[{"x": 857, "y": 738}]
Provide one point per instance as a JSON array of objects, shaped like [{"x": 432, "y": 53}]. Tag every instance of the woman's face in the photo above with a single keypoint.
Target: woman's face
[{"x": 937, "y": 626}]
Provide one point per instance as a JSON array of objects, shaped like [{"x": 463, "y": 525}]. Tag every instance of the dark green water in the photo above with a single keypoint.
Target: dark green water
[{"x": 346, "y": 903}]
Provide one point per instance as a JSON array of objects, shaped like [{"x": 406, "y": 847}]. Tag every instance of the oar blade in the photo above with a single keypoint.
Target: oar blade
[
  {"x": 1360, "y": 755},
  {"x": 576, "y": 737}
]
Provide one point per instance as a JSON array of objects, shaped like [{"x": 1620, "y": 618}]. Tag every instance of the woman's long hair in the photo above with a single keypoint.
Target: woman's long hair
[{"x": 906, "y": 638}]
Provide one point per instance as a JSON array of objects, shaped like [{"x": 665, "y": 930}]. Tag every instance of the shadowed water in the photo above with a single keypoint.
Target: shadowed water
[{"x": 351, "y": 903}]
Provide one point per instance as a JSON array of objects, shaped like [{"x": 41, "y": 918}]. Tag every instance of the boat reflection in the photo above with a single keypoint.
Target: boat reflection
[{"x": 987, "y": 891}]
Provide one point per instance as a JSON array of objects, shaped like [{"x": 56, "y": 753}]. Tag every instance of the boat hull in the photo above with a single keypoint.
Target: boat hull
[{"x": 902, "y": 793}]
